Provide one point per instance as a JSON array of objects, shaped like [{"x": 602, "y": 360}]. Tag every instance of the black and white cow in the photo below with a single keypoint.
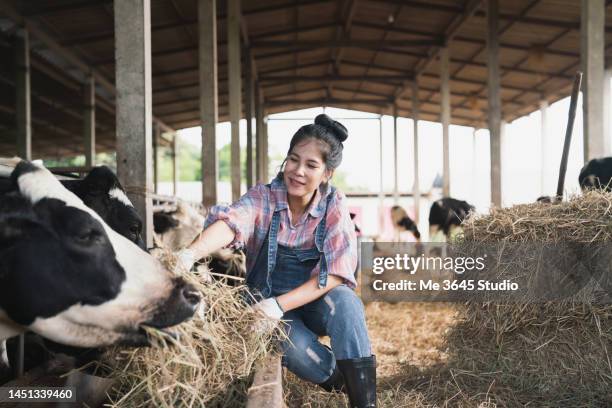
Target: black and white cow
[
  {"x": 402, "y": 222},
  {"x": 101, "y": 191},
  {"x": 446, "y": 215},
  {"x": 597, "y": 173},
  {"x": 66, "y": 275}
]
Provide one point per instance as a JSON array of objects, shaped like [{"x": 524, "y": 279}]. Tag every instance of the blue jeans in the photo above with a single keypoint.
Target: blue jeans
[{"x": 340, "y": 315}]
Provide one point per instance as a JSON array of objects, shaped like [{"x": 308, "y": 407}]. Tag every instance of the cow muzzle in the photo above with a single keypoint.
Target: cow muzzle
[{"x": 178, "y": 307}]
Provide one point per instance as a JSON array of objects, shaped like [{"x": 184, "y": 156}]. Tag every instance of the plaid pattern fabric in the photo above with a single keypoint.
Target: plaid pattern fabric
[{"x": 251, "y": 215}]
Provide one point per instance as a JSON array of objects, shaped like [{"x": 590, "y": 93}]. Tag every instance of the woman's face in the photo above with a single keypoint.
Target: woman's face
[{"x": 305, "y": 170}]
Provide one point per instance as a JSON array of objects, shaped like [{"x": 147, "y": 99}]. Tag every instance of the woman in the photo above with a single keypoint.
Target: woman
[{"x": 301, "y": 257}]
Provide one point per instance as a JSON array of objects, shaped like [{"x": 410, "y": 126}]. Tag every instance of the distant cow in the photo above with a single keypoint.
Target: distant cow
[
  {"x": 402, "y": 222},
  {"x": 446, "y": 215},
  {"x": 66, "y": 275},
  {"x": 597, "y": 173},
  {"x": 176, "y": 230}
]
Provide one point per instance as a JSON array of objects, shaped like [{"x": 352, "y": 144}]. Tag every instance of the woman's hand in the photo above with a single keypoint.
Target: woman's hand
[
  {"x": 271, "y": 314},
  {"x": 270, "y": 308},
  {"x": 213, "y": 238}
]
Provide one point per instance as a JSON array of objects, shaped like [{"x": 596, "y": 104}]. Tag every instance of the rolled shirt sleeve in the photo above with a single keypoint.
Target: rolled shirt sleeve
[
  {"x": 340, "y": 245},
  {"x": 242, "y": 215}
]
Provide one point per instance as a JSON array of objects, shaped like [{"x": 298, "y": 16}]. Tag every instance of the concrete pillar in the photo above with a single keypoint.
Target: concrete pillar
[
  {"x": 209, "y": 106},
  {"x": 156, "y": 136},
  {"x": 23, "y": 111},
  {"x": 235, "y": 89},
  {"x": 133, "y": 105},
  {"x": 494, "y": 99},
  {"x": 395, "y": 154},
  {"x": 175, "y": 169},
  {"x": 416, "y": 189},
  {"x": 445, "y": 119},
  {"x": 543, "y": 145},
  {"x": 592, "y": 53},
  {"x": 89, "y": 120},
  {"x": 258, "y": 136},
  {"x": 248, "y": 105}
]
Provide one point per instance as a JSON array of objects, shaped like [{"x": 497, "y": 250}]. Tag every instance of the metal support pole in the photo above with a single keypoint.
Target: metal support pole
[
  {"x": 264, "y": 150},
  {"x": 23, "y": 95},
  {"x": 543, "y": 144},
  {"x": 156, "y": 136},
  {"x": 175, "y": 169},
  {"x": 89, "y": 120},
  {"x": 395, "y": 154},
  {"x": 133, "y": 105},
  {"x": 381, "y": 194},
  {"x": 446, "y": 118},
  {"x": 258, "y": 136},
  {"x": 416, "y": 189},
  {"x": 248, "y": 103},
  {"x": 592, "y": 53},
  {"x": 494, "y": 99},
  {"x": 235, "y": 89},
  {"x": 207, "y": 57}
]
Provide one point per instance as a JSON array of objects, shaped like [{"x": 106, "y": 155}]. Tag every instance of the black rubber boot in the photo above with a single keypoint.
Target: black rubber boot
[
  {"x": 360, "y": 381},
  {"x": 335, "y": 382}
]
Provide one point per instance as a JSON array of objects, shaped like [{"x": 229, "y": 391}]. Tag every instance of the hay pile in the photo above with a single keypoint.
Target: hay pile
[
  {"x": 536, "y": 353},
  {"x": 208, "y": 365}
]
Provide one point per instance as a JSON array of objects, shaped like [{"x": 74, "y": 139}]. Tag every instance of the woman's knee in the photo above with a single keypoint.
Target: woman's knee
[{"x": 343, "y": 301}]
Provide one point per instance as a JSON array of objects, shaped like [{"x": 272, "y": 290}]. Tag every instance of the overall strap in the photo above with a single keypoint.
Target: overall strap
[{"x": 319, "y": 242}]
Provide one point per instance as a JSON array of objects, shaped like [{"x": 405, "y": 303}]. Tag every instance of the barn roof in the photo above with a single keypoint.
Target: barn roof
[{"x": 356, "y": 54}]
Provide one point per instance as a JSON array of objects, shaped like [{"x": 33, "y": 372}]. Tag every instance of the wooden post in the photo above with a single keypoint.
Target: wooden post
[
  {"x": 89, "y": 120},
  {"x": 592, "y": 52},
  {"x": 207, "y": 18},
  {"x": 133, "y": 105},
  {"x": 235, "y": 89},
  {"x": 494, "y": 99},
  {"x": 446, "y": 118},
  {"x": 416, "y": 189},
  {"x": 23, "y": 94}
]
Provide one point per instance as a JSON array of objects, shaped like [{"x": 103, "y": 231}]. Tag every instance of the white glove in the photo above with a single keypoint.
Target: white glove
[
  {"x": 185, "y": 260},
  {"x": 271, "y": 314},
  {"x": 270, "y": 308}
]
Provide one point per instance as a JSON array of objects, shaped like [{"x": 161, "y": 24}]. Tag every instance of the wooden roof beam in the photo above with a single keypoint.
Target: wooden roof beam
[
  {"x": 354, "y": 43},
  {"x": 323, "y": 78}
]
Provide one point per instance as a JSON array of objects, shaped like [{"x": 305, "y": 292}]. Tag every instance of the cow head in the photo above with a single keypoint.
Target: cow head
[
  {"x": 66, "y": 275},
  {"x": 178, "y": 229},
  {"x": 101, "y": 191}
]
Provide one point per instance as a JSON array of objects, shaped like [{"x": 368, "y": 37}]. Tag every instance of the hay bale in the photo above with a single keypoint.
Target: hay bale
[
  {"x": 537, "y": 353},
  {"x": 210, "y": 362}
]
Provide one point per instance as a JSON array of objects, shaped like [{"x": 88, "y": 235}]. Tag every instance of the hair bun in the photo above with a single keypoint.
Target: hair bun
[{"x": 336, "y": 128}]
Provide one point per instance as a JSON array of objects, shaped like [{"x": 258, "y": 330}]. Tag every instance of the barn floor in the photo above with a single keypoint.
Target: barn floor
[{"x": 407, "y": 339}]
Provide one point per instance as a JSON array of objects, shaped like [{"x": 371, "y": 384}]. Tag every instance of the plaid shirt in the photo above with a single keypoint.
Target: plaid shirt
[{"x": 251, "y": 215}]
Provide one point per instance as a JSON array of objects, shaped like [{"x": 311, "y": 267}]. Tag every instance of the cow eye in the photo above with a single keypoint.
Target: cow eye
[{"x": 88, "y": 236}]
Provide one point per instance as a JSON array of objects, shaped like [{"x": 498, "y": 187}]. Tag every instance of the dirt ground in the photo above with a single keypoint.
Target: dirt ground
[{"x": 407, "y": 339}]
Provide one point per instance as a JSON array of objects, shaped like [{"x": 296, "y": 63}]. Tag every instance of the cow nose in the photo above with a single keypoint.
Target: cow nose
[{"x": 191, "y": 295}]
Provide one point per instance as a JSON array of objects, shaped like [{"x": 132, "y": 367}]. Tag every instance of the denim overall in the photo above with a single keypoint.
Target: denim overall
[{"x": 338, "y": 314}]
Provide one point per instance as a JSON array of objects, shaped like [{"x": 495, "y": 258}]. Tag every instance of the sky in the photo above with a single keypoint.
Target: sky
[{"x": 527, "y": 170}]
